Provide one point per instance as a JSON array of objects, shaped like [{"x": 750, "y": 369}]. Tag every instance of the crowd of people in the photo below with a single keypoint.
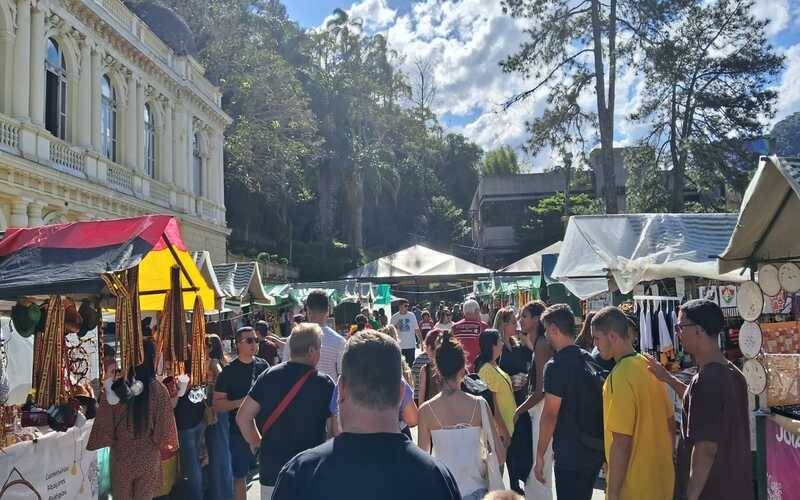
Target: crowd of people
[{"x": 324, "y": 416}]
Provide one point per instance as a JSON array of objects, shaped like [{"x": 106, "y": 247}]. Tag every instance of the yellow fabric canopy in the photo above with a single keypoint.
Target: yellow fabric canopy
[{"x": 154, "y": 276}]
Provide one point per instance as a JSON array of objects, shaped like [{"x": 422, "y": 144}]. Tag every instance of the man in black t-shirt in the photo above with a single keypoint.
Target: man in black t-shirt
[
  {"x": 233, "y": 384},
  {"x": 302, "y": 423},
  {"x": 371, "y": 458},
  {"x": 576, "y": 465}
]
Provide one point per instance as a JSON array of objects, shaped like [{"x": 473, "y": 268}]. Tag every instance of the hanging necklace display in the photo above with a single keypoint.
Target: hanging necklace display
[
  {"x": 750, "y": 300},
  {"x": 198, "y": 346}
]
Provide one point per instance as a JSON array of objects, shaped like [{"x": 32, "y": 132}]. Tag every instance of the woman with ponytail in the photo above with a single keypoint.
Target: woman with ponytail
[
  {"x": 456, "y": 426},
  {"x": 135, "y": 426}
]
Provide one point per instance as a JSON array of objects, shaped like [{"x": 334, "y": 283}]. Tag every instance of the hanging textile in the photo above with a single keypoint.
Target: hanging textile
[
  {"x": 49, "y": 381},
  {"x": 198, "y": 375},
  {"x": 645, "y": 338},
  {"x": 664, "y": 339},
  {"x": 124, "y": 286},
  {"x": 172, "y": 335}
]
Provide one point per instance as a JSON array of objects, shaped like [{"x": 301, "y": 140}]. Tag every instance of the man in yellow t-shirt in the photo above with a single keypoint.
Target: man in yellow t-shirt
[{"x": 638, "y": 417}]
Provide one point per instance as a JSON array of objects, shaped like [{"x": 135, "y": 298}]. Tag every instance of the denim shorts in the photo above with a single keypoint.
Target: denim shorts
[{"x": 242, "y": 460}]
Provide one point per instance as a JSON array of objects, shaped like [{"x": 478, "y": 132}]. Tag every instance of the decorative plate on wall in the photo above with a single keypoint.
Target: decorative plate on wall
[
  {"x": 750, "y": 300},
  {"x": 750, "y": 339},
  {"x": 789, "y": 277},
  {"x": 755, "y": 375},
  {"x": 768, "y": 280}
]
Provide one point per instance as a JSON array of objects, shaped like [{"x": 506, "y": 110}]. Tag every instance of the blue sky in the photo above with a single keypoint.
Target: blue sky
[
  {"x": 310, "y": 13},
  {"x": 465, "y": 40}
]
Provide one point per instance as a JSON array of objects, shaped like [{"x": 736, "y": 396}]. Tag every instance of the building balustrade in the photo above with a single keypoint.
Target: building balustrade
[
  {"x": 9, "y": 133},
  {"x": 67, "y": 159}
]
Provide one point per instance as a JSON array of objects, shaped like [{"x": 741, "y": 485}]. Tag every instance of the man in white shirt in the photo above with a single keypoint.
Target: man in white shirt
[
  {"x": 407, "y": 331},
  {"x": 330, "y": 357}
]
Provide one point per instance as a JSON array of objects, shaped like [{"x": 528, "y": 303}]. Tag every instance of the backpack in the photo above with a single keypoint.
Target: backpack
[
  {"x": 589, "y": 390},
  {"x": 472, "y": 384}
]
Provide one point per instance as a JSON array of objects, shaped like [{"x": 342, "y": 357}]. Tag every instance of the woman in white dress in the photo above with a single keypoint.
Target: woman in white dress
[
  {"x": 451, "y": 425},
  {"x": 529, "y": 319}
]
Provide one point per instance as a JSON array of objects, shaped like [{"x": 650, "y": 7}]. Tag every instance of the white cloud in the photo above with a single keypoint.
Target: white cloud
[
  {"x": 789, "y": 90},
  {"x": 376, "y": 14},
  {"x": 776, "y": 11},
  {"x": 466, "y": 39}
]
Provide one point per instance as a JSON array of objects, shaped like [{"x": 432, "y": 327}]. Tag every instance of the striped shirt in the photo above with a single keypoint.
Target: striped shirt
[{"x": 330, "y": 355}]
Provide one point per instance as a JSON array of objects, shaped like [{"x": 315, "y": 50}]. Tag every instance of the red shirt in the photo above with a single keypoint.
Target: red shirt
[{"x": 468, "y": 333}]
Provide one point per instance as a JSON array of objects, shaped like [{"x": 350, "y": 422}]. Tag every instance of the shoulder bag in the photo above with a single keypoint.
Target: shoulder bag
[
  {"x": 495, "y": 477},
  {"x": 285, "y": 402}
]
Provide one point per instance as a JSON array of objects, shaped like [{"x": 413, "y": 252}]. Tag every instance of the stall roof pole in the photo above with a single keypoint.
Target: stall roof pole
[{"x": 177, "y": 260}]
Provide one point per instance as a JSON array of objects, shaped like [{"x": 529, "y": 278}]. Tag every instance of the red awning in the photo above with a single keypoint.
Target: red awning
[{"x": 94, "y": 234}]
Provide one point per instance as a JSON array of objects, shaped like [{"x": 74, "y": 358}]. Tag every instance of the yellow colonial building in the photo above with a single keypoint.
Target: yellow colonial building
[{"x": 105, "y": 113}]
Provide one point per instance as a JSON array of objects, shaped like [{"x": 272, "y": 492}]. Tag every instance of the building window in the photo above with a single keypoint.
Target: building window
[
  {"x": 149, "y": 141},
  {"x": 197, "y": 167},
  {"x": 55, "y": 104},
  {"x": 108, "y": 119}
]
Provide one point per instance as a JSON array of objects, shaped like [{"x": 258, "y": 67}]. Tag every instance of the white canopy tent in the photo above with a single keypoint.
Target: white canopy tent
[
  {"x": 418, "y": 262},
  {"x": 532, "y": 264},
  {"x": 633, "y": 248},
  {"x": 767, "y": 229}
]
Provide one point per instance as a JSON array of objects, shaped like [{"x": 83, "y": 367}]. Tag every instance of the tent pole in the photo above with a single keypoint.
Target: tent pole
[
  {"x": 177, "y": 260},
  {"x": 156, "y": 292}
]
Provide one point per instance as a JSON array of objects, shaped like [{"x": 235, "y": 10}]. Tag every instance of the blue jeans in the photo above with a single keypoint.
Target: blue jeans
[
  {"x": 220, "y": 473},
  {"x": 191, "y": 473}
]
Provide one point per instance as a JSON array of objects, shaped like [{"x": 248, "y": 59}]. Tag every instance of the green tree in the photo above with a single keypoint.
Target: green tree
[
  {"x": 571, "y": 48},
  {"x": 709, "y": 86},
  {"x": 544, "y": 223},
  {"x": 443, "y": 223},
  {"x": 646, "y": 188},
  {"x": 502, "y": 161}
]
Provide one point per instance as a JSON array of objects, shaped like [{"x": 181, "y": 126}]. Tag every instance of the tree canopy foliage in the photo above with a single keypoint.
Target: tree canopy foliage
[
  {"x": 330, "y": 140},
  {"x": 502, "y": 161}
]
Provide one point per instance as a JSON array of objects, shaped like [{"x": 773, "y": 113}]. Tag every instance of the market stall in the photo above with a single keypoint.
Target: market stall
[
  {"x": 420, "y": 263},
  {"x": 766, "y": 243},
  {"x": 607, "y": 252},
  {"x": 54, "y": 280}
]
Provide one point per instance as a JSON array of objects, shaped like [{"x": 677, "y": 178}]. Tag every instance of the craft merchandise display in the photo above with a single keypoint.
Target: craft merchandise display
[{"x": 55, "y": 280}]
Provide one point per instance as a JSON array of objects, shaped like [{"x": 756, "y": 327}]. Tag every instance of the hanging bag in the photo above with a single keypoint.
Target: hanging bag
[{"x": 495, "y": 477}]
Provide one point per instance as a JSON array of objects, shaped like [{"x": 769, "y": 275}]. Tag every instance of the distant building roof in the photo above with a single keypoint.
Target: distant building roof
[{"x": 517, "y": 186}]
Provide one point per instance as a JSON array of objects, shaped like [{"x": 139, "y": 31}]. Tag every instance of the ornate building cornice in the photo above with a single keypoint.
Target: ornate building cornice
[{"x": 172, "y": 81}]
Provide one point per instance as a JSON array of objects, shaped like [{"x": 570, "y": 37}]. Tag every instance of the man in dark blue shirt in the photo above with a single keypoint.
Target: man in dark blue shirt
[
  {"x": 576, "y": 463},
  {"x": 371, "y": 458}
]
